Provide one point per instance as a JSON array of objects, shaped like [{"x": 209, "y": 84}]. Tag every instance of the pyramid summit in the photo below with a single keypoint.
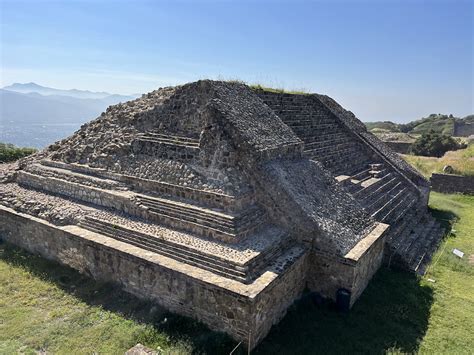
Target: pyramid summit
[{"x": 223, "y": 203}]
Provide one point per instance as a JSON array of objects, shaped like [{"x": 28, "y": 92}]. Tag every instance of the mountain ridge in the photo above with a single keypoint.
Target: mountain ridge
[{"x": 32, "y": 87}]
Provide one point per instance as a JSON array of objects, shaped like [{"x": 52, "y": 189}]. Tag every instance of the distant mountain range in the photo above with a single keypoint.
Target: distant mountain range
[
  {"x": 79, "y": 94},
  {"x": 35, "y": 115}
]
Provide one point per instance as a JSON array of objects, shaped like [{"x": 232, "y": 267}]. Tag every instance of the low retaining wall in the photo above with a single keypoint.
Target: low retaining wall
[
  {"x": 448, "y": 183},
  {"x": 399, "y": 147},
  {"x": 242, "y": 311}
]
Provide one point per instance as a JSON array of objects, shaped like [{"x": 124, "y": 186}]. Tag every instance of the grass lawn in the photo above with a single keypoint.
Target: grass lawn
[
  {"x": 461, "y": 160},
  {"x": 44, "y": 306}
]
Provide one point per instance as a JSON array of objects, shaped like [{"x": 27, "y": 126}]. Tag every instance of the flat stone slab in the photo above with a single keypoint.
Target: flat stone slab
[{"x": 140, "y": 349}]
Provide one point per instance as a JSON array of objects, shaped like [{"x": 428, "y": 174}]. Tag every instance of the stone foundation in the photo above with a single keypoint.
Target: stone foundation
[{"x": 242, "y": 311}]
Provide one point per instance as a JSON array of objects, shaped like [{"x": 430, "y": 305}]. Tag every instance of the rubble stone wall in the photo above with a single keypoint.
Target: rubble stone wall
[{"x": 448, "y": 183}]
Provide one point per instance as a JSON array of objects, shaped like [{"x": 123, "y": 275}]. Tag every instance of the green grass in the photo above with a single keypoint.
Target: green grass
[
  {"x": 461, "y": 160},
  {"x": 44, "y": 306},
  {"x": 279, "y": 90}
]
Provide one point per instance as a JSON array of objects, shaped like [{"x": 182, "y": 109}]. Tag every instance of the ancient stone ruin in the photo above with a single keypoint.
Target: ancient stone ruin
[{"x": 223, "y": 203}]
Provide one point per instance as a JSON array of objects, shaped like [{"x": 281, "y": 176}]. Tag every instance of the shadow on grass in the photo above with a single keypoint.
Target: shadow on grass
[
  {"x": 444, "y": 217},
  {"x": 111, "y": 298},
  {"x": 393, "y": 313}
]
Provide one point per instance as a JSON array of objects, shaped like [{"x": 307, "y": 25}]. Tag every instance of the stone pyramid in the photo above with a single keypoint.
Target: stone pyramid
[{"x": 223, "y": 203}]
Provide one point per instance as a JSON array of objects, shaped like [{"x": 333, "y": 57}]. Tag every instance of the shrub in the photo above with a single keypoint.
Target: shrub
[
  {"x": 434, "y": 144},
  {"x": 8, "y": 152}
]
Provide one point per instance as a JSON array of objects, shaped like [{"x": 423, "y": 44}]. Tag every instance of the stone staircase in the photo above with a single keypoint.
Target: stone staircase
[
  {"x": 414, "y": 234},
  {"x": 211, "y": 223},
  {"x": 326, "y": 139},
  {"x": 381, "y": 192},
  {"x": 166, "y": 146},
  {"x": 243, "y": 272},
  {"x": 412, "y": 246}
]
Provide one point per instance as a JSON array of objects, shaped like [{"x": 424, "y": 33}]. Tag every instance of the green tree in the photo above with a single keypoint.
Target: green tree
[
  {"x": 8, "y": 152},
  {"x": 434, "y": 144}
]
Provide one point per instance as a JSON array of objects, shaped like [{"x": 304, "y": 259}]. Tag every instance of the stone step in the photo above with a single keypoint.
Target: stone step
[
  {"x": 325, "y": 137},
  {"x": 319, "y": 144},
  {"x": 421, "y": 241},
  {"x": 400, "y": 237},
  {"x": 175, "y": 252},
  {"x": 192, "y": 195},
  {"x": 367, "y": 193},
  {"x": 243, "y": 272},
  {"x": 205, "y": 222},
  {"x": 333, "y": 156},
  {"x": 165, "y": 138},
  {"x": 399, "y": 208},
  {"x": 382, "y": 199},
  {"x": 421, "y": 266},
  {"x": 76, "y": 177},
  {"x": 398, "y": 215},
  {"x": 330, "y": 150},
  {"x": 168, "y": 143},
  {"x": 393, "y": 200}
]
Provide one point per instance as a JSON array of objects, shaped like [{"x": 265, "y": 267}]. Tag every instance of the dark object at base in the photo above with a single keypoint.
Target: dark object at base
[{"x": 343, "y": 300}]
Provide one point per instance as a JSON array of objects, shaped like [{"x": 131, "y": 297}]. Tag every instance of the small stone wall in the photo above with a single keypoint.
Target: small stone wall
[
  {"x": 463, "y": 129},
  {"x": 242, "y": 311},
  {"x": 400, "y": 147},
  {"x": 448, "y": 183}
]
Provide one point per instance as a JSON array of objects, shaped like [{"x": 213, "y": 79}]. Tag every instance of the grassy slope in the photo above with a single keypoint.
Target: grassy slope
[
  {"x": 47, "y": 306},
  {"x": 452, "y": 314},
  {"x": 461, "y": 160}
]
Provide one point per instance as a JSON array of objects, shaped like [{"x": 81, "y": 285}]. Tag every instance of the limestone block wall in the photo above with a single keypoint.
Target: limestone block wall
[
  {"x": 242, "y": 311},
  {"x": 448, "y": 183}
]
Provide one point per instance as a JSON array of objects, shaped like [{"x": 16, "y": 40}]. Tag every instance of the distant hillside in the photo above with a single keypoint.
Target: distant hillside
[
  {"x": 437, "y": 122},
  {"x": 35, "y": 116}
]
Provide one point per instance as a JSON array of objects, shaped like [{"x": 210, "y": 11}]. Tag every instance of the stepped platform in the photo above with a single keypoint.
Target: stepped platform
[
  {"x": 177, "y": 213},
  {"x": 242, "y": 262},
  {"x": 89, "y": 176},
  {"x": 222, "y": 203},
  {"x": 174, "y": 281},
  {"x": 203, "y": 221}
]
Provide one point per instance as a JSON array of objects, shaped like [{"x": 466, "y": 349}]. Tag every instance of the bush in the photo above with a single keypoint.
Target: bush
[
  {"x": 8, "y": 152},
  {"x": 434, "y": 144}
]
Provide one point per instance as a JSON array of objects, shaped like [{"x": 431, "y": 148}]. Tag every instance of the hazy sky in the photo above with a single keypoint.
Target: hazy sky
[{"x": 383, "y": 60}]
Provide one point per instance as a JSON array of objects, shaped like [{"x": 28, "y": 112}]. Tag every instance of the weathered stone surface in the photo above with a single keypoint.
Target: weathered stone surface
[{"x": 222, "y": 203}]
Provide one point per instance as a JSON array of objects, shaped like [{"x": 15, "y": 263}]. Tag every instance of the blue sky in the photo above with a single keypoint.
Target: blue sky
[{"x": 383, "y": 60}]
